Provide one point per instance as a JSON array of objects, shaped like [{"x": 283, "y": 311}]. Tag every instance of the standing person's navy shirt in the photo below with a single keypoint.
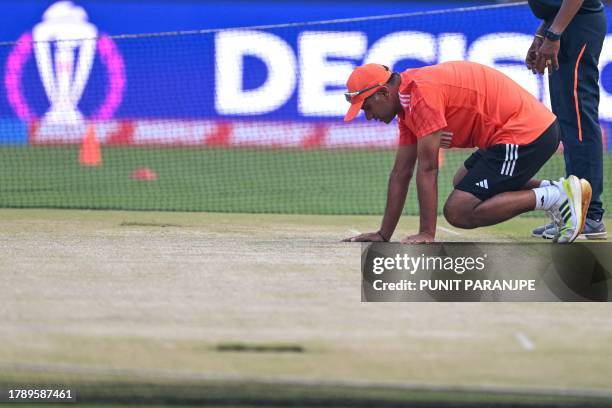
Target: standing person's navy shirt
[{"x": 548, "y": 9}]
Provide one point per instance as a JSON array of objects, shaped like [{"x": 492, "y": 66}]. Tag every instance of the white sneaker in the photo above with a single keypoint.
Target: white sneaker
[
  {"x": 551, "y": 231},
  {"x": 570, "y": 210}
]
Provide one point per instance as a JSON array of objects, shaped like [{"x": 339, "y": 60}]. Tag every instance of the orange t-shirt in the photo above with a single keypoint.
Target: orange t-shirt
[{"x": 476, "y": 106}]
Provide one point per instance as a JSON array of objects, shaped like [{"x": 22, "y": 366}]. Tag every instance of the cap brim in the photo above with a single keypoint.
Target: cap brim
[
  {"x": 356, "y": 106},
  {"x": 353, "y": 111}
]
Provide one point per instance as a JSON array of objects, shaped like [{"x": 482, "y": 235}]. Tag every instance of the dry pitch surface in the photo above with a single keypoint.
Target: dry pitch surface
[{"x": 130, "y": 295}]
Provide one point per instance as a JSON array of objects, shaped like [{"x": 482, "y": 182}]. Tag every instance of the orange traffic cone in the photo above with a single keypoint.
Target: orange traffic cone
[{"x": 90, "y": 149}]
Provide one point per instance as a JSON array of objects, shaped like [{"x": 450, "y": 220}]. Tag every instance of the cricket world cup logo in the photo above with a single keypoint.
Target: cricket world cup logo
[
  {"x": 66, "y": 27},
  {"x": 64, "y": 46}
]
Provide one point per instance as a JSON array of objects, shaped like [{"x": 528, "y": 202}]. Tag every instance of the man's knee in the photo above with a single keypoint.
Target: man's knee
[
  {"x": 458, "y": 217},
  {"x": 459, "y": 212},
  {"x": 449, "y": 214}
]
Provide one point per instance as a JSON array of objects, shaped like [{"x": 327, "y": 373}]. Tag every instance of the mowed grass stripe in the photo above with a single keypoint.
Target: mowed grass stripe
[
  {"x": 245, "y": 394},
  {"x": 219, "y": 180}
]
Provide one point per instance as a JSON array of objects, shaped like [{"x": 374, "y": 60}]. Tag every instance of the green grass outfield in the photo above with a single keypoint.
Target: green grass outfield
[
  {"x": 227, "y": 180},
  {"x": 254, "y": 310}
]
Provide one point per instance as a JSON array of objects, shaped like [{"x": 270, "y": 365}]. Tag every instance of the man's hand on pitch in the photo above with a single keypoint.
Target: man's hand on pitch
[
  {"x": 547, "y": 56},
  {"x": 420, "y": 238},
  {"x": 366, "y": 237}
]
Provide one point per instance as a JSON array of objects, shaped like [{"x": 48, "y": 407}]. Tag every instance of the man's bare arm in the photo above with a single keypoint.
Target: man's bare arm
[
  {"x": 399, "y": 180},
  {"x": 427, "y": 184},
  {"x": 566, "y": 13}
]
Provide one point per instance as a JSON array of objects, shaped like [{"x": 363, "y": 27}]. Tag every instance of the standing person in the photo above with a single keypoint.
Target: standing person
[
  {"x": 568, "y": 42},
  {"x": 465, "y": 104}
]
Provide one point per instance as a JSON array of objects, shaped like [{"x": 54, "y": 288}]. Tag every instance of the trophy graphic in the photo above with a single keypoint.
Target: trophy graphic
[{"x": 62, "y": 37}]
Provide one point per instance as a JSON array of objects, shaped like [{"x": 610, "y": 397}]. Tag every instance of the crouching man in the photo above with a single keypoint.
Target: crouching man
[{"x": 465, "y": 104}]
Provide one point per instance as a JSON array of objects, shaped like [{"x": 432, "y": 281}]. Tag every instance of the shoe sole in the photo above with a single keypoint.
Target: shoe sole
[
  {"x": 587, "y": 193},
  {"x": 576, "y": 196},
  {"x": 586, "y": 186},
  {"x": 593, "y": 236}
]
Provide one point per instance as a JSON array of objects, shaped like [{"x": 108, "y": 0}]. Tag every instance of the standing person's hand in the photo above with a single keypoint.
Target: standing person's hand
[
  {"x": 547, "y": 56},
  {"x": 532, "y": 54}
]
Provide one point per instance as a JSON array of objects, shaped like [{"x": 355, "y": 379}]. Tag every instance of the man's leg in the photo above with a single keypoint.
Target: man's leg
[
  {"x": 492, "y": 190},
  {"x": 535, "y": 183},
  {"x": 548, "y": 231},
  {"x": 468, "y": 202},
  {"x": 464, "y": 210},
  {"x": 569, "y": 199},
  {"x": 530, "y": 185},
  {"x": 477, "y": 155},
  {"x": 575, "y": 99}
]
